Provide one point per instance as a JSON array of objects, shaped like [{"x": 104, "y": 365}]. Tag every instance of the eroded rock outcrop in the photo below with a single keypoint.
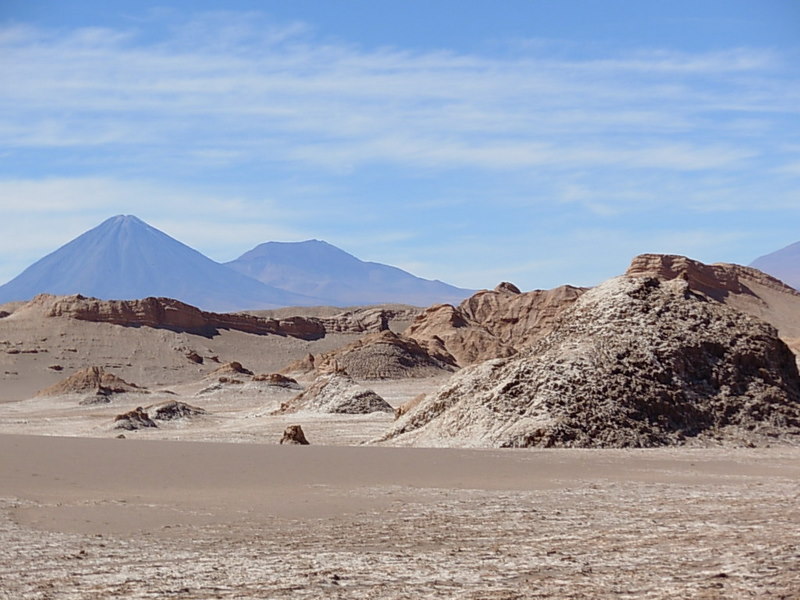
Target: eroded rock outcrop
[
  {"x": 173, "y": 410},
  {"x": 336, "y": 392},
  {"x": 371, "y": 319},
  {"x": 293, "y": 435},
  {"x": 93, "y": 381},
  {"x": 745, "y": 288},
  {"x": 166, "y": 313},
  {"x": 637, "y": 361},
  {"x": 277, "y": 380},
  {"x": 135, "y": 419},
  {"x": 387, "y": 355},
  {"x": 492, "y": 324}
]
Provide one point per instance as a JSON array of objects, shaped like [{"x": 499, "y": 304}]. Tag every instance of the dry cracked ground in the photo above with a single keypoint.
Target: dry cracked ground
[{"x": 398, "y": 523}]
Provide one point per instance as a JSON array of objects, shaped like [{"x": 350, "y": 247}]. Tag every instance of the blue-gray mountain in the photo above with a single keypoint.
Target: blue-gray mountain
[
  {"x": 783, "y": 264},
  {"x": 316, "y": 268},
  {"x": 124, "y": 258}
]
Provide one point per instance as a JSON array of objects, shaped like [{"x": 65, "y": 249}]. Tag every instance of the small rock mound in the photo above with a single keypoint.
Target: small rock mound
[
  {"x": 135, "y": 419},
  {"x": 387, "y": 355},
  {"x": 507, "y": 287},
  {"x": 173, "y": 410},
  {"x": 336, "y": 393},
  {"x": 635, "y": 362},
  {"x": 293, "y": 435},
  {"x": 229, "y": 369},
  {"x": 91, "y": 380},
  {"x": 277, "y": 380}
]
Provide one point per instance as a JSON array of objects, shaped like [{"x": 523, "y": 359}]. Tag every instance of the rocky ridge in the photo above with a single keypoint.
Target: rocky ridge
[
  {"x": 166, "y": 313},
  {"x": 637, "y": 361},
  {"x": 492, "y": 323}
]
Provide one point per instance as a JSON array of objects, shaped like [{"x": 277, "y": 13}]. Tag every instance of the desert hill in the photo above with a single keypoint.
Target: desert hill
[
  {"x": 125, "y": 258},
  {"x": 637, "y": 361},
  {"x": 783, "y": 264},
  {"x": 319, "y": 269},
  {"x": 492, "y": 323}
]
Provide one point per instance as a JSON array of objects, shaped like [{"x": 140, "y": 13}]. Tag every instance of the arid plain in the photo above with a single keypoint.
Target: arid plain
[{"x": 210, "y": 505}]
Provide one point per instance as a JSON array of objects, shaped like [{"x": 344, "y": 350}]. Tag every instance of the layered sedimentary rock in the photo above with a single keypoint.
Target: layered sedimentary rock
[
  {"x": 170, "y": 314},
  {"x": 637, "y": 361},
  {"x": 744, "y": 288},
  {"x": 492, "y": 323}
]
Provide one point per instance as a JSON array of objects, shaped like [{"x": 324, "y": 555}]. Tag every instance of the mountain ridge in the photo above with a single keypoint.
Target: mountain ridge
[
  {"x": 124, "y": 258},
  {"x": 318, "y": 268}
]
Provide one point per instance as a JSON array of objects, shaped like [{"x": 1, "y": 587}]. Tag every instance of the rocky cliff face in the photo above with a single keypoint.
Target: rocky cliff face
[
  {"x": 166, "y": 313},
  {"x": 492, "y": 324},
  {"x": 745, "y": 288},
  {"x": 637, "y": 361}
]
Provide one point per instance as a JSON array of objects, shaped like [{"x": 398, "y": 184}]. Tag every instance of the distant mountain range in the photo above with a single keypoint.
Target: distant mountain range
[
  {"x": 124, "y": 258},
  {"x": 783, "y": 264},
  {"x": 318, "y": 269}
]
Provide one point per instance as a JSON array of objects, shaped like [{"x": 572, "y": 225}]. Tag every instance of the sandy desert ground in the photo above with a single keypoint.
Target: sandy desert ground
[
  {"x": 102, "y": 518},
  {"x": 214, "y": 507}
]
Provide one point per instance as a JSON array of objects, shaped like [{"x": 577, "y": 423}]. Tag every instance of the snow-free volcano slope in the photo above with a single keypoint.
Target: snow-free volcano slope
[
  {"x": 125, "y": 258},
  {"x": 317, "y": 268}
]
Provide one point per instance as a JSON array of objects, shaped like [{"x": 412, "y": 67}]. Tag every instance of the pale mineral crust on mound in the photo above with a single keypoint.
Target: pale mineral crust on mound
[
  {"x": 386, "y": 355},
  {"x": 91, "y": 380},
  {"x": 492, "y": 324},
  {"x": 336, "y": 392},
  {"x": 636, "y": 362}
]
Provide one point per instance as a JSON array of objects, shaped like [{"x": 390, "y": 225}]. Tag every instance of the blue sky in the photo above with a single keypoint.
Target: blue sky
[{"x": 540, "y": 142}]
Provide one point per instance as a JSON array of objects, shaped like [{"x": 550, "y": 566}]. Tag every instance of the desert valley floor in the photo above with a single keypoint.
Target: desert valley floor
[{"x": 211, "y": 505}]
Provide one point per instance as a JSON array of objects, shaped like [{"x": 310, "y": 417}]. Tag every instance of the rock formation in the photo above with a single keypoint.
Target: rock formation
[
  {"x": 277, "y": 380},
  {"x": 387, "y": 355},
  {"x": 336, "y": 393},
  {"x": 370, "y": 319},
  {"x": 492, "y": 324},
  {"x": 173, "y": 410},
  {"x": 229, "y": 369},
  {"x": 166, "y": 313},
  {"x": 637, "y": 361},
  {"x": 135, "y": 419},
  {"x": 91, "y": 380},
  {"x": 293, "y": 435},
  {"x": 745, "y": 288}
]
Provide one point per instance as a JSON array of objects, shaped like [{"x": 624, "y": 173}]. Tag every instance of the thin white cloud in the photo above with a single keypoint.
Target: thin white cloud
[{"x": 245, "y": 86}]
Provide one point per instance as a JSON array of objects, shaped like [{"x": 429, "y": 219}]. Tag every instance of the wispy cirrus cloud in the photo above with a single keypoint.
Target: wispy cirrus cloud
[
  {"x": 241, "y": 85},
  {"x": 229, "y": 129}
]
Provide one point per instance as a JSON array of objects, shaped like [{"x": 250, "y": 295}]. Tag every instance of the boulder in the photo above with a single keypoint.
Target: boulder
[{"x": 293, "y": 435}]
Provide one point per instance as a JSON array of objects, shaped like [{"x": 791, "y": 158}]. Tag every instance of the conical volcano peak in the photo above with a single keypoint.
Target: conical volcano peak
[{"x": 124, "y": 258}]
